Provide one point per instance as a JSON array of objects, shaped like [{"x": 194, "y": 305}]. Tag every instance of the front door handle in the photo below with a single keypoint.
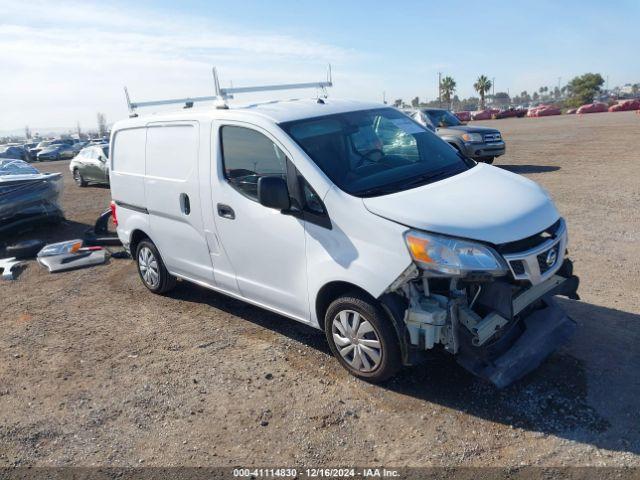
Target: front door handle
[{"x": 225, "y": 211}]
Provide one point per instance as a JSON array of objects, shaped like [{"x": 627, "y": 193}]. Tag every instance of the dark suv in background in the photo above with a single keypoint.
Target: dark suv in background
[{"x": 483, "y": 144}]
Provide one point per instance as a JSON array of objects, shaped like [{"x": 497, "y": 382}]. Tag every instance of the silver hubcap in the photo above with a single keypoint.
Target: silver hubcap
[
  {"x": 357, "y": 341},
  {"x": 148, "y": 267}
]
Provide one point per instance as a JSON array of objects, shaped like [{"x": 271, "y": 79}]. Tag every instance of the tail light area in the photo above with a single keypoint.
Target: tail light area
[{"x": 114, "y": 216}]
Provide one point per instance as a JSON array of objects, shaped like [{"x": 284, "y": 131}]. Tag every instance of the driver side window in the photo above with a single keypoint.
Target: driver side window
[{"x": 248, "y": 155}]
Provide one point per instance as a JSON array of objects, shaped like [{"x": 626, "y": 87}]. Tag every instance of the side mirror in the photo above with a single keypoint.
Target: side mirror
[{"x": 273, "y": 193}]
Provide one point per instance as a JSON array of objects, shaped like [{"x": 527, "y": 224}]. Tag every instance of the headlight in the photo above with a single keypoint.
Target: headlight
[
  {"x": 452, "y": 256},
  {"x": 472, "y": 137}
]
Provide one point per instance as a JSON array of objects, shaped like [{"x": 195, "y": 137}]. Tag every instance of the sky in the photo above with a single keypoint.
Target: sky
[{"x": 61, "y": 61}]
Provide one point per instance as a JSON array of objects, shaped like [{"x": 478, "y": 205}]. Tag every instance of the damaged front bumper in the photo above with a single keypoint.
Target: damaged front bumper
[
  {"x": 540, "y": 327},
  {"x": 545, "y": 330},
  {"x": 499, "y": 330}
]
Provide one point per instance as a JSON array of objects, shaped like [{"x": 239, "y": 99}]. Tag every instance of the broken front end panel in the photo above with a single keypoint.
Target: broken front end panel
[{"x": 500, "y": 324}]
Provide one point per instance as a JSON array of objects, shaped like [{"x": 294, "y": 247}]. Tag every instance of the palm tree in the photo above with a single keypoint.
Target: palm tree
[
  {"x": 448, "y": 86},
  {"x": 482, "y": 86}
]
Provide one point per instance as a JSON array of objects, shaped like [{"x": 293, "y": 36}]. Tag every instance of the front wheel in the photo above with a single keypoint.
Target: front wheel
[
  {"x": 151, "y": 268},
  {"x": 488, "y": 160},
  {"x": 361, "y": 337},
  {"x": 78, "y": 178}
]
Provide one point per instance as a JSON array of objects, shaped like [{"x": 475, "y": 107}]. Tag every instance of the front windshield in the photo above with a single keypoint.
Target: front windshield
[
  {"x": 443, "y": 118},
  {"x": 375, "y": 152}
]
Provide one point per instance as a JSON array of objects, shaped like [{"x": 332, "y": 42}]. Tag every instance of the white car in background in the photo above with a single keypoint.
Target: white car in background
[{"x": 91, "y": 165}]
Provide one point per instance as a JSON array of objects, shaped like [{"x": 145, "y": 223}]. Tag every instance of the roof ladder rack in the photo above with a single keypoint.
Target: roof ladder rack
[{"x": 223, "y": 94}]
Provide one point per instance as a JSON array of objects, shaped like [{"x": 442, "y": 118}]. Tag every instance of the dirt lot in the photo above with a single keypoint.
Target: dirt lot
[{"x": 97, "y": 371}]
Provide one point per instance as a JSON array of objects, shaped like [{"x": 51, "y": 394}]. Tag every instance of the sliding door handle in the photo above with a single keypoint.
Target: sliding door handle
[{"x": 185, "y": 204}]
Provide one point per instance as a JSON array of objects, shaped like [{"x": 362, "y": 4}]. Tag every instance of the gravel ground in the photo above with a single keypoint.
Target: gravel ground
[{"x": 96, "y": 371}]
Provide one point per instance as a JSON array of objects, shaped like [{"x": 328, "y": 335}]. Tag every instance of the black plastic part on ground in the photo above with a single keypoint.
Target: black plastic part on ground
[
  {"x": 100, "y": 235},
  {"x": 25, "y": 249}
]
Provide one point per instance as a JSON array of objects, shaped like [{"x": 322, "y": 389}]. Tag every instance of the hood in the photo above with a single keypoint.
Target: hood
[
  {"x": 484, "y": 203},
  {"x": 466, "y": 129}
]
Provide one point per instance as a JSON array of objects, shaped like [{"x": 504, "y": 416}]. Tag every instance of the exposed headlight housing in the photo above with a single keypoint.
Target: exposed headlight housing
[
  {"x": 448, "y": 256},
  {"x": 472, "y": 137}
]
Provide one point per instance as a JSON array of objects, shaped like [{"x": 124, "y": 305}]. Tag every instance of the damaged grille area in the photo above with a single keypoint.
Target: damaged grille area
[
  {"x": 532, "y": 241},
  {"x": 517, "y": 267},
  {"x": 537, "y": 257}
]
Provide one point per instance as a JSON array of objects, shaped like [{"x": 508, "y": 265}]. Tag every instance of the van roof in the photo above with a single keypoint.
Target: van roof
[
  {"x": 289, "y": 110},
  {"x": 276, "y": 111}
]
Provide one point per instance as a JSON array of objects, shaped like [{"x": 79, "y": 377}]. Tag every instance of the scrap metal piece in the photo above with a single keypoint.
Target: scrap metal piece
[
  {"x": 530, "y": 295},
  {"x": 482, "y": 329},
  {"x": 487, "y": 328},
  {"x": 7, "y": 265},
  {"x": 71, "y": 261},
  {"x": 27, "y": 197}
]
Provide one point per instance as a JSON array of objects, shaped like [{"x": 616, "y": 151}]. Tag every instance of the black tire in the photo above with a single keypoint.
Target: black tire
[
  {"x": 25, "y": 249},
  {"x": 165, "y": 281},
  {"x": 488, "y": 160},
  {"x": 390, "y": 360},
  {"x": 78, "y": 178}
]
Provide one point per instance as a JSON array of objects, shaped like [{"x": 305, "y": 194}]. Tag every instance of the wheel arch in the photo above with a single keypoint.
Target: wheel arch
[
  {"x": 332, "y": 290},
  {"x": 136, "y": 237}
]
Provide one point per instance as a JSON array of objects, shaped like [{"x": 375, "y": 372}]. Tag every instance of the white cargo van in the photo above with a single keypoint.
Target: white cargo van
[{"x": 354, "y": 219}]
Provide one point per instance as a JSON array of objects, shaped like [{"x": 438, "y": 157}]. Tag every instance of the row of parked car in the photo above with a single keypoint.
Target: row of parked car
[
  {"x": 543, "y": 110},
  {"x": 47, "y": 150}
]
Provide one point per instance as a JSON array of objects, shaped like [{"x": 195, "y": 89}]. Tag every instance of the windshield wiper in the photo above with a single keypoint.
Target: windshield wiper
[
  {"x": 374, "y": 192},
  {"x": 406, "y": 184}
]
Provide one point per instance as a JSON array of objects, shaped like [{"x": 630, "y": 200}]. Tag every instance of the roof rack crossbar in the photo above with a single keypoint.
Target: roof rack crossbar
[
  {"x": 223, "y": 94},
  {"x": 172, "y": 101},
  {"x": 270, "y": 88}
]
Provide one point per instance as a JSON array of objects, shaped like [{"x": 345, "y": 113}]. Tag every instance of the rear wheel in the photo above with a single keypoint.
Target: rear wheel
[
  {"x": 78, "y": 178},
  {"x": 151, "y": 268},
  {"x": 362, "y": 338}
]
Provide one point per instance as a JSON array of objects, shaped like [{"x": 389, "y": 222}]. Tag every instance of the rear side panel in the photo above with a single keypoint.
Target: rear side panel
[
  {"x": 127, "y": 166},
  {"x": 173, "y": 198},
  {"x": 127, "y": 180}
]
